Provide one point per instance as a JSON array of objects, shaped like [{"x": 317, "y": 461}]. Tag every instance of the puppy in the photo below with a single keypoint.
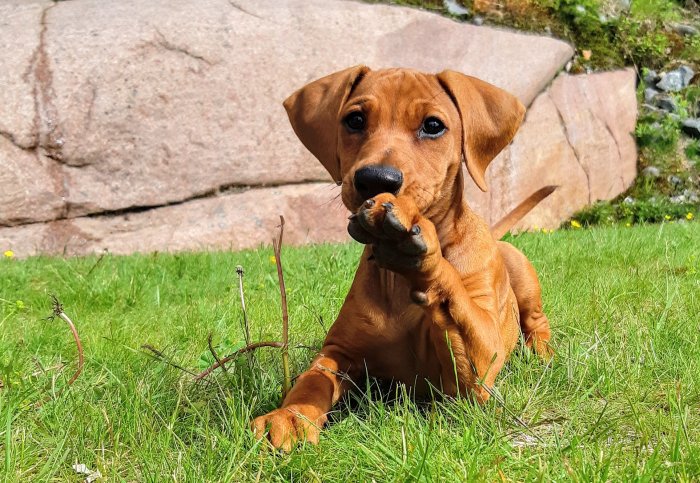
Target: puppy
[{"x": 437, "y": 301}]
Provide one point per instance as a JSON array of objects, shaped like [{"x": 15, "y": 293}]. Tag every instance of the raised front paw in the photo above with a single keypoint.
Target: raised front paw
[
  {"x": 402, "y": 239},
  {"x": 285, "y": 427}
]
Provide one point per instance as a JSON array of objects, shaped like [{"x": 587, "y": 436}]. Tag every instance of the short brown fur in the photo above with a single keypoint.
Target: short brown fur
[{"x": 461, "y": 304}]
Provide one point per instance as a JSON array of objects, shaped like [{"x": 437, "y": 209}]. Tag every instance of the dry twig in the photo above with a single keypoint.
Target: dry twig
[
  {"x": 277, "y": 246},
  {"x": 57, "y": 311},
  {"x": 213, "y": 352},
  {"x": 57, "y": 308},
  {"x": 232, "y": 356}
]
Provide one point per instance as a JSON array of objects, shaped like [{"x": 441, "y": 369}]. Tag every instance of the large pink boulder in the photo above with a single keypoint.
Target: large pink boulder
[{"x": 140, "y": 126}]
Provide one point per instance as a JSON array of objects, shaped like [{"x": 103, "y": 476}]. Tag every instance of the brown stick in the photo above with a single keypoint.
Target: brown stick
[
  {"x": 213, "y": 351},
  {"x": 232, "y": 356},
  {"x": 58, "y": 312},
  {"x": 277, "y": 246}
]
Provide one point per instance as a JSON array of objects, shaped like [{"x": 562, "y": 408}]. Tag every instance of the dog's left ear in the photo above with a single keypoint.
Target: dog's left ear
[
  {"x": 490, "y": 117},
  {"x": 314, "y": 112}
]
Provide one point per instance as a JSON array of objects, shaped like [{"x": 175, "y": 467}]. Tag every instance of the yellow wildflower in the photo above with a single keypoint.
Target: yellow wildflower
[
  {"x": 689, "y": 216},
  {"x": 575, "y": 224},
  {"x": 628, "y": 224},
  {"x": 667, "y": 217},
  {"x": 9, "y": 254},
  {"x": 273, "y": 259}
]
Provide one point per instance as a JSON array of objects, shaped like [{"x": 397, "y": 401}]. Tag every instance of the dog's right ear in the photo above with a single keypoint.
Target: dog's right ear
[
  {"x": 314, "y": 112},
  {"x": 490, "y": 117}
]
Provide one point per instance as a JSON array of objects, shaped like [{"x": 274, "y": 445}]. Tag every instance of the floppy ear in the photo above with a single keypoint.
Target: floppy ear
[
  {"x": 490, "y": 117},
  {"x": 314, "y": 109}
]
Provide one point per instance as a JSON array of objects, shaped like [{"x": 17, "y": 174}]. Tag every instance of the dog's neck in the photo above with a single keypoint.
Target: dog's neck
[
  {"x": 461, "y": 231},
  {"x": 451, "y": 208}
]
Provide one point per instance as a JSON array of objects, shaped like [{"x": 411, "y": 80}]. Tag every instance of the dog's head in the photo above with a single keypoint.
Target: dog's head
[{"x": 402, "y": 131}]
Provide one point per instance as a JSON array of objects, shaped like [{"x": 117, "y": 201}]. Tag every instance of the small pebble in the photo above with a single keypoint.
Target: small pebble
[
  {"x": 651, "y": 172},
  {"x": 651, "y": 78},
  {"x": 691, "y": 127},
  {"x": 665, "y": 102},
  {"x": 675, "y": 180},
  {"x": 676, "y": 79},
  {"x": 454, "y": 8},
  {"x": 649, "y": 94},
  {"x": 684, "y": 29}
]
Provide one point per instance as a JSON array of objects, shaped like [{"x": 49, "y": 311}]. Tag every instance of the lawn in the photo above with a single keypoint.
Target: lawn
[{"x": 620, "y": 401}]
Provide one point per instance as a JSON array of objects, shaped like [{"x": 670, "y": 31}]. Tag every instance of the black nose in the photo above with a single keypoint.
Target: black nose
[{"x": 377, "y": 178}]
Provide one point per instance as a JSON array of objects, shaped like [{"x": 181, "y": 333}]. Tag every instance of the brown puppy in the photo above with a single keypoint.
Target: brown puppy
[{"x": 436, "y": 300}]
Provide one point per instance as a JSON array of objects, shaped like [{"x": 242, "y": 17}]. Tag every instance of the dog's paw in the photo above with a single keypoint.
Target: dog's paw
[
  {"x": 402, "y": 239},
  {"x": 285, "y": 427}
]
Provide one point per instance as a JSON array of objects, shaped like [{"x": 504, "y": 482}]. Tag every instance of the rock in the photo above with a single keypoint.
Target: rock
[
  {"x": 623, "y": 5},
  {"x": 649, "y": 94},
  {"x": 676, "y": 79},
  {"x": 454, "y": 8},
  {"x": 691, "y": 195},
  {"x": 691, "y": 127},
  {"x": 665, "y": 102},
  {"x": 600, "y": 114},
  {"x": 684, "y": 29},
  {"x": 629, "y": 200},
  {"x": 20, "y": 31},
  {"x": 143, "y": 127},
  {"x": 559, "y": 143},
  {"x": 651, "y": 78},
  {"x": 678, "y": 199},
  {"x": 231, "y": 221},
  {"x": 675, "y": 181},
  {"x": 651, "y": 172},
  {"x": 478, "y": 20},
  {"x": 26, "y": 172},
  {"x": 137, "y": 105},
  {"x": 578, "y": 135},
  {"x": 539, "y": 155}
]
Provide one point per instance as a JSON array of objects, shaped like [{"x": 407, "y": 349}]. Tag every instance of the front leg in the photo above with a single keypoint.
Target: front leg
[
  {"x": 464, "y": 312},
  {"x": 303, "y": 412}
]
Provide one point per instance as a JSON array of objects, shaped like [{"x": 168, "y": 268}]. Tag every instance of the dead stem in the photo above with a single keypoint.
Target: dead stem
[
  {"x": 213, "y": 353},
  {"x": 58, "y": 312},
  {"x": 277, "y": 246},
  {"x": 230, "y": 357}
]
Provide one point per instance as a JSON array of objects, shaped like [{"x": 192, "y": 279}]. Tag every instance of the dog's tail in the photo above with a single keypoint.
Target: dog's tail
[{"x": 507, "y": 222}]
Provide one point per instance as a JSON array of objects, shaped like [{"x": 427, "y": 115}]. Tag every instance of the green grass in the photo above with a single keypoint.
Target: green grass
[{"x": 618, "y": 403}]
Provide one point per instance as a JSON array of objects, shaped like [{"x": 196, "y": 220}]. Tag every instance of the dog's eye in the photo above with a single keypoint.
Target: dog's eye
[
  {"x": 355, "y": 121},
  {"x": 432, "y": 128}
]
